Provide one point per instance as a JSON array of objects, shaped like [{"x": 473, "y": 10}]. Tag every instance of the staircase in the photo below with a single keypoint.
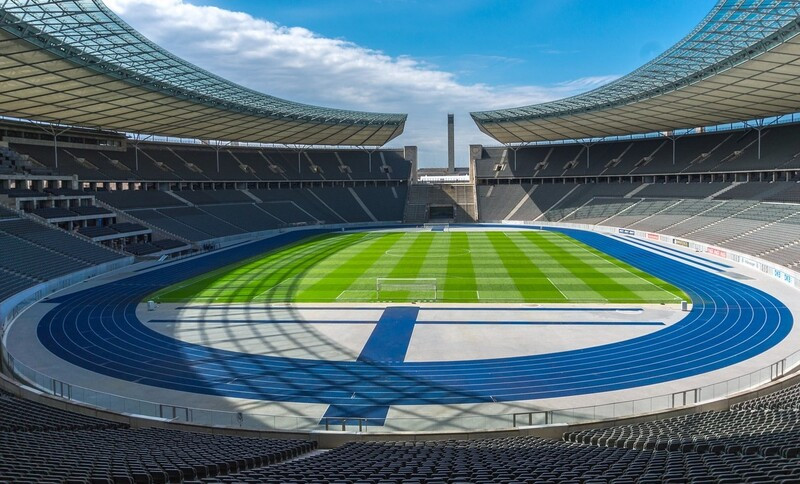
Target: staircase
[{"x": 461, "y": 196}]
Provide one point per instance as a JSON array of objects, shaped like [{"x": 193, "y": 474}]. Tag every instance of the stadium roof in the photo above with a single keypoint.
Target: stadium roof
[
  {"x": 741, "y": 62},
  {"x": 75, "y": 62}
]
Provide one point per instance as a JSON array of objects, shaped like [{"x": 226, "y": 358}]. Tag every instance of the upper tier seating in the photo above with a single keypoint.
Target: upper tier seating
[
  {"x": 171, "y": 162},
  {"x": 90, "y": 210},
  {"x": 385, "y": 204},
  {"x": 724, "y": 151},
  {"x": 99, "y": 231},
  {"x": 138, "y": 199},
  {"x": 125, "y": 227},
  {"x": 208, "y": 197},
  {"x": 12, "y": 162},
  {"x": 54, "y": 212}
]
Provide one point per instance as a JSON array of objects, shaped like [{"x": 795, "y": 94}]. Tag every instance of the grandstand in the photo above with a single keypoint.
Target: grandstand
[
  {"x": 755, "y": 441},
  {"x": 681, "y": 179}
]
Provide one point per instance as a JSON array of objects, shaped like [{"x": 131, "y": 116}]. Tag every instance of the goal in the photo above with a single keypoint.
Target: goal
[{"x": 406, "y": 289}]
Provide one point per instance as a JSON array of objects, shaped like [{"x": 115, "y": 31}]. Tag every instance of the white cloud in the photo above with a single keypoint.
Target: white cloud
[{"x": 297, "y": 64}]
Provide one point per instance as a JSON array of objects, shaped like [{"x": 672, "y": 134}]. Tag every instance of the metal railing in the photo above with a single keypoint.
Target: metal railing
[{"x": 473, "y": 421}]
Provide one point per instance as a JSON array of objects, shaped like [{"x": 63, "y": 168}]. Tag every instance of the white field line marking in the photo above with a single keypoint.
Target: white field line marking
[
  {"x": 562, "y": 266},
  {"x": 557, "y": 288},
  {"x": 377, "y": 262},
  {"x": 545, "y": 275},
  {"x": 488, "y": 246},
  {"x": 626, "y": 270},
  {"x": 352, "y": 298},
  {"x": 276, "y": 285}
]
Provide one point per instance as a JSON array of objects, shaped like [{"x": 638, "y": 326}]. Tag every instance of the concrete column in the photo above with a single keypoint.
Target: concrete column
[
  {"x": 451, "y": 144},
  {"x": 475, "y": 154},
  {"x": 410, "y": 154}
]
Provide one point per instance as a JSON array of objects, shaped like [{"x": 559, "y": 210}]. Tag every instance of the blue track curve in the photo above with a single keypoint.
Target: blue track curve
[{"x": 97, "y": 329}]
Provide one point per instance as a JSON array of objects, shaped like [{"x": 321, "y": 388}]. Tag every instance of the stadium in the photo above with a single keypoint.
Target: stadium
[{"x": 206, "y": 283}]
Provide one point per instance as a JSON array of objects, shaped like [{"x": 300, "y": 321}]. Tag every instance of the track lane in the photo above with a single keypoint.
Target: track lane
[{"x": 97, "y": 329}]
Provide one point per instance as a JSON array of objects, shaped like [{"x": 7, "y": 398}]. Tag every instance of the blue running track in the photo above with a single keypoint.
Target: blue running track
[{"x": 97, "y": 329}]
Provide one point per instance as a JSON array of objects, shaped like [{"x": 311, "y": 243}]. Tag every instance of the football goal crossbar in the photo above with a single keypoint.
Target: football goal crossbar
[{"x": 407, "y": 288}]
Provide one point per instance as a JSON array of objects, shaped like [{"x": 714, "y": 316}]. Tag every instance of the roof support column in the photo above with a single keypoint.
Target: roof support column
[
  {"x": 588, "y": 146},
  {"x": 759, "y": 142},
  {"x": 300, "y": 150},
  {"x": 369, "y": 154},
  {"x": 514, "y": 150},
  {"x": 51, "y": 130},
  {"x": 759, "y": 126},
  {"x": 136, "y": 139},
  {"x": 674, "y": 138},
  {"x": 218, "y": 146}
]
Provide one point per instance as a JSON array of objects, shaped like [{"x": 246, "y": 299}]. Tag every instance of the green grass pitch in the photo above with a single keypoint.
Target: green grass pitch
[{"x": 491, "y": 266}]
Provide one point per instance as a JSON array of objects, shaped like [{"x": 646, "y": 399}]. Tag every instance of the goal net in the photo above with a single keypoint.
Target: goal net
[{"x": 406, "y": 289}]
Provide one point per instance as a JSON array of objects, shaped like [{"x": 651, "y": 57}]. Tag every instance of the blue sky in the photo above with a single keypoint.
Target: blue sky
[
  {"x": 499, "y": 41},
  {"x": 421, "y": 57}
]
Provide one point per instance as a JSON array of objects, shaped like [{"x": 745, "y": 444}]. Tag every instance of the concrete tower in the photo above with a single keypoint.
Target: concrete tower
[{"x": 451, "y": 145}]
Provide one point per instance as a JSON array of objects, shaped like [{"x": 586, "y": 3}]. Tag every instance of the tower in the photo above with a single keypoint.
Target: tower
[{"x": 451, "y": 151}]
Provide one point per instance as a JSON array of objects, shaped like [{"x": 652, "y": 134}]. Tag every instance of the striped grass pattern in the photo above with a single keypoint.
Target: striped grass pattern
[{"x": 491, "y": 266}]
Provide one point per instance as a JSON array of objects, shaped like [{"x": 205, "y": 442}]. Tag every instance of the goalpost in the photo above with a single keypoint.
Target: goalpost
[{"x": 408, "y": 288}]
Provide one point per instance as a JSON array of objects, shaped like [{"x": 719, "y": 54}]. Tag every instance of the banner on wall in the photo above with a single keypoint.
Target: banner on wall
[
  {"x": 627, "y": 232},
  {"x": 749, "y": 262},
  {"x": 783, "y": 276},
  {"x": 682, "y": 243},
  {"x": 653, "y": 236},
  {"x": 717, "y": 252}
]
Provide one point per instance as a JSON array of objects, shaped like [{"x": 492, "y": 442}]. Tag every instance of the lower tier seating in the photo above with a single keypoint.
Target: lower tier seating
[
  {"x": 767, "y": 229},
  {"x": 39, "y": 443},
  {"x": 221, "y": 213},
  {"x": 751, "y": 443}
]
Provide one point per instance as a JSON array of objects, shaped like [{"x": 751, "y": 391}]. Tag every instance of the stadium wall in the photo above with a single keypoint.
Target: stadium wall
[{"x": 11, "y": 307}]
